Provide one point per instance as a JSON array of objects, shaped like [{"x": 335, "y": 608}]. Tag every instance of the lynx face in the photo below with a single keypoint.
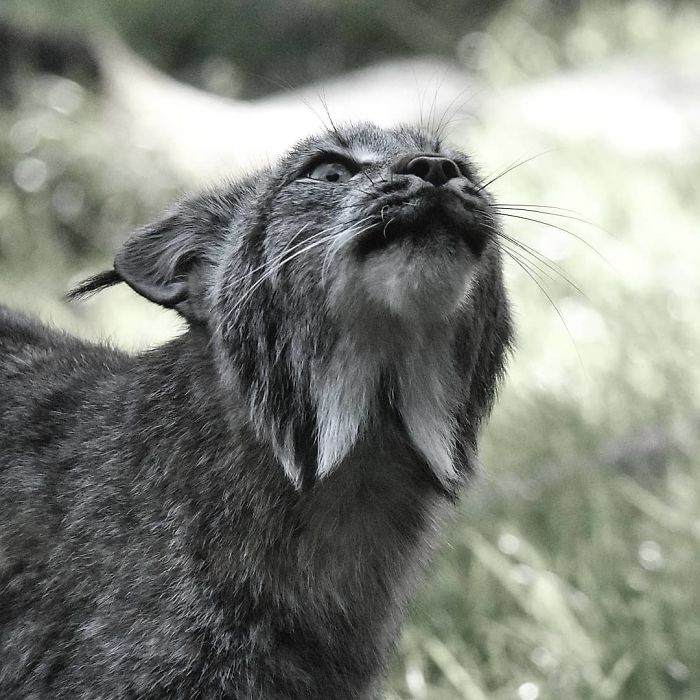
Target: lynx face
[
  {"x": 353, "y": 289},
  {"x": 393, "y": 221}
]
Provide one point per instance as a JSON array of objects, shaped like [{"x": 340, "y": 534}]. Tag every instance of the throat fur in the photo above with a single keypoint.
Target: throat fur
[{"x": 415, "y": 379}]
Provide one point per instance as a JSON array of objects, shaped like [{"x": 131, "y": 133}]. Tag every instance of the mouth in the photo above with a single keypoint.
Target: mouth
[{"x": 425, "y": 219}]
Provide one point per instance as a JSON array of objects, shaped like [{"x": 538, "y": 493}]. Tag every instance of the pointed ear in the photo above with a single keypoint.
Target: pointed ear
[{"x": 169, "y": 262}]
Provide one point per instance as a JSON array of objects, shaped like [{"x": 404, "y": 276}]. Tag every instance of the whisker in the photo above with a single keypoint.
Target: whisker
[
  {"x": 290, "y": 89},
  {"x": 287, "y": 249},
  {"x": 288, "y": 244},
  {"x": 563, "y": 230},
  {"x": 324, "y": 101},
  {"x": 539, "y": 257},
  {"x": 532, "y": 265},
  {"x": 386, "y": 225},
  {"x": 517, "y": 256},
  {"x": 366, "y": 174},
  {"x": 545, "y": 210},
  {"x": 433, "y": 106},
  {"x": 542, "y": 260},
  {"x": 280, "y": 264},
  {"x": 523, "y": 265},
  {"x": 270, "y": 273},
  {"x": 509, "y": 169},
  {"x": 420, "y": 95},
  {"x": 446, "y": 121},
  {"x": 541, "y": 206},
  {"x": 454, "y": 119}
]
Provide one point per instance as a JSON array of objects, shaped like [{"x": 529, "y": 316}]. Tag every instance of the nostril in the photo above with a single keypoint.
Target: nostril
[
  {"x": 419, "y": 167},
  {"x": 434, "y": 169},
  {"x": 450, "y": 169}
]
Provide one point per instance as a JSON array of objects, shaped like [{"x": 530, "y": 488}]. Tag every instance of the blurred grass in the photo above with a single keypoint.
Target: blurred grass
[{"x": 571, "y": 570}]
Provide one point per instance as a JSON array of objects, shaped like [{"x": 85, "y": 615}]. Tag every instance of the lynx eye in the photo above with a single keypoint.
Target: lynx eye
[{"x": 330, "y": 172}]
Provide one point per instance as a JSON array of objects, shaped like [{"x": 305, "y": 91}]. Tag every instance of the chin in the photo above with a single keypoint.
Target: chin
[
  {"x": 419, "y": 283},
  {"x": 418, "y": 265}
]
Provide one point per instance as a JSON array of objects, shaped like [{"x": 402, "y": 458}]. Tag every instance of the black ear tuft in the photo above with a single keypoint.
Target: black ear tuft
[{"x": 94, "y": 284}]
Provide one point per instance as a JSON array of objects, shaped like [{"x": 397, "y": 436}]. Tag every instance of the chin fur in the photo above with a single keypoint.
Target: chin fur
[{"x": 414, "y": 283}]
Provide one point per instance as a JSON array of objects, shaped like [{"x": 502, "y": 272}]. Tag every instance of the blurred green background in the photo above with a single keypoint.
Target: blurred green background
[{"x": 572, "y": 569}]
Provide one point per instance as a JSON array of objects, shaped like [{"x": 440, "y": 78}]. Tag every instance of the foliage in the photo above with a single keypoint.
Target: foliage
[{"x": 571, "y": 569}]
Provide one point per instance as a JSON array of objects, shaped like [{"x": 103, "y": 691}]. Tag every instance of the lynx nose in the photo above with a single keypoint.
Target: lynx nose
[{"x": 436, "y": 170}]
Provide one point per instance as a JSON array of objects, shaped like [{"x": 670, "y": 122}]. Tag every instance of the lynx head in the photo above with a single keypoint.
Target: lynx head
[{"x": 351, "y": 289}]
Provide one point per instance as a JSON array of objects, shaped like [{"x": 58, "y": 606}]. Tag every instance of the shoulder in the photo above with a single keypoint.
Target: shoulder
[
  {"x": 19, "y": 332},
  {"x": 27, "y": 346}
]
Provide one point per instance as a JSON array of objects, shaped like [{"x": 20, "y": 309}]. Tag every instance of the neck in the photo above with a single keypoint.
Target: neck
[{"x": 345, "y": 553}]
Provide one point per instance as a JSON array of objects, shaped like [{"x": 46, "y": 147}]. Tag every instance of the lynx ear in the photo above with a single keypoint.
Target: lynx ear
[{"x": 168, "y": 262}]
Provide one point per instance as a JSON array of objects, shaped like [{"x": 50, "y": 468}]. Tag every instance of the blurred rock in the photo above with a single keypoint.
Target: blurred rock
[{"x": 207, "y": 137}]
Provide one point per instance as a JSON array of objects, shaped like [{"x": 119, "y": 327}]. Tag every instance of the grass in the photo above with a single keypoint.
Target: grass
[{"x": 571, "y": 570}]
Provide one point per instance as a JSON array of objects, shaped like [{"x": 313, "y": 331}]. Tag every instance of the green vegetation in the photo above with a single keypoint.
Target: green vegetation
[
  {"x": 571, "y": 570},
  {"x": 251, "y": 47}
]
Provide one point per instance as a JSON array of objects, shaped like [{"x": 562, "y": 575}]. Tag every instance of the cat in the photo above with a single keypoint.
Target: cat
[{"x": 245, "y": 511}]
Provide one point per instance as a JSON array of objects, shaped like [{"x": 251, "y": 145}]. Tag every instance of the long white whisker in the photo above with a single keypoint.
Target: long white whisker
[
  {"x": 250, "y": 273},
  {"x": 549, "y": 224},
  {"x": 287, "y": 249},
  {"x": 341, "y": 242},
  {"x": 273, "y": 270}
]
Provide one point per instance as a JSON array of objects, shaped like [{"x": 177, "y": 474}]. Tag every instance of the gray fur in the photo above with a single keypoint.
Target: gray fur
[{"x": 244, "y": 511}]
